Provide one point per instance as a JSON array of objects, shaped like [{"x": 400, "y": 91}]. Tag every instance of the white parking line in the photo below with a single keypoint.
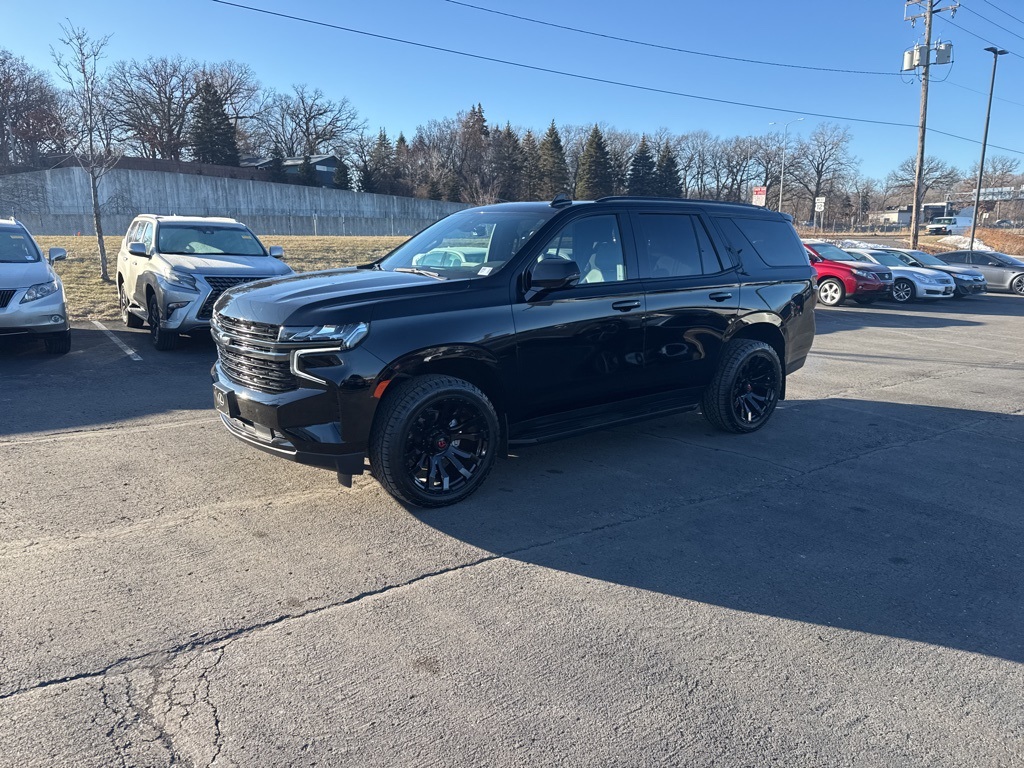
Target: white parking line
[{"x": 124, "y": 347}]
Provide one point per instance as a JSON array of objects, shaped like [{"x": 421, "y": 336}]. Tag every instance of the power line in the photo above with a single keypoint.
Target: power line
[
  {"x": 980, "y": 93},
  {"x": 667, "y": 47},
  {"x": 592, "y": 79},
  {"x": 975, "y": 34},
  {"x": 994, "y": 24},
  {"x": 986, "y": 2}
]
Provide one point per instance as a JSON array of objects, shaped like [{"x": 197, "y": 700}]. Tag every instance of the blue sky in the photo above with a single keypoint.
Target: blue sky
[{"x": 398, "y": 86}]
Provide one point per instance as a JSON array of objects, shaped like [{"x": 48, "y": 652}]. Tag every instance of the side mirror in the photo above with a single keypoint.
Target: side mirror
[
  {"x": 551, "y": 274},
  {"x": 276, "y": 251},
  {"x": 57, "y": 254},
  {"x": 137, "y": 249}
]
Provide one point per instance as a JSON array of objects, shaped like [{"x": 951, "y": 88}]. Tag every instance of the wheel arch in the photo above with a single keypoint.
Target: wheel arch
[{"x": 765, "y": 327}]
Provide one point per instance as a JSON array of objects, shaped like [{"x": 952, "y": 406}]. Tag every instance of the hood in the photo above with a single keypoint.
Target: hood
[
  {"x": 912, "y": 272},
  {"x": 24, "y": 274},
  {"x": 313, "y": 298},
  {"x": 954, "y": 270},
  {"x": 870, "y": 266},
  {"x": 212, "y": 264}
]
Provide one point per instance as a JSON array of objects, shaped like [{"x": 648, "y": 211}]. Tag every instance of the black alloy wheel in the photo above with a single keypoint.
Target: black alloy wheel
[
  {"x": 434, "y": 440},
  {"x": 129, "y": 319},
  {"x": 1017, "y": 286},
  {"x": 163, "y": 339},
  {"x": 746, "y": 388}
]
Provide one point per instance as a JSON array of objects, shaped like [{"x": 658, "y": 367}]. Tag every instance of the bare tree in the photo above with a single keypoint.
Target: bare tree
[
  {"x": 28, "y": 103},
  {"x": 936, "y": 174},
  {"x": 1000, "y": 171},
  {"x": 154, "y": 98},
  {"x": 244, "y": 98},
  {"x": 309, "y": 123},
  {"x": 821, "y": 162},
  {"x": 89, "y": 134}
]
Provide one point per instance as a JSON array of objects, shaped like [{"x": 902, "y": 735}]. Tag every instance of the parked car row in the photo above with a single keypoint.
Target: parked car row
[{"x": 868, "y": 274}]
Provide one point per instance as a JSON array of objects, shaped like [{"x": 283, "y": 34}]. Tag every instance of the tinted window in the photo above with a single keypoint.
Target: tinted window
[
  {"x": 676, "y": 245},
  {"x": 775, "y": 242},
  {"x": 953, "y": 258},
  {"x": 595, "y": 245}
]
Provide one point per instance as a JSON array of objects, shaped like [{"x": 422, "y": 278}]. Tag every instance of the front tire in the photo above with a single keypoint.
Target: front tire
[
  {"x": 59, "y": 344},
  {"x": 903, "y": 291},
  {"x": 1017, "y": 286},
  {"x": 831, "y": 292},
  {"x": 129, "y": 319},
  {"x": 433, "y": 441},
  {"x": 745, "y": 389},
  {"x": 163, "y": 339}
]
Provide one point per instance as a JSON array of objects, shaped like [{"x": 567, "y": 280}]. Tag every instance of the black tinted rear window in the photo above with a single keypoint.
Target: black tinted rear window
[{"x": 775, "y": 242}]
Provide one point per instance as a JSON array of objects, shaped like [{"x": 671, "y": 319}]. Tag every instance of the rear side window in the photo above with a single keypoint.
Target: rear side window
[
  {"x": 676, "y": 245},
  {"x": 774, "y": 242},
  {"x": 953, "y": 258}
]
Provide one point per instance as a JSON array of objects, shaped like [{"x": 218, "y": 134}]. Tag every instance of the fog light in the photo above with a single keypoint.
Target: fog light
[
  {"x": 174, "y": 306},
  {"x": 56, "y": 319}
]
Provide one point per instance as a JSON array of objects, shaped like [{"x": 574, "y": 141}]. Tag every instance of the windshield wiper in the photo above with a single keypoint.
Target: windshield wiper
[{"x": 418, "y": 271}]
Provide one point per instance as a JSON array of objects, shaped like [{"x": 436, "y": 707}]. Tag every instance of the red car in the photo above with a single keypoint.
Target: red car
[{"x": 840, "y": 277}]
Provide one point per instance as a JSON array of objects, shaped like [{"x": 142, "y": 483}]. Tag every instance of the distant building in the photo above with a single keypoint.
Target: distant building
[
  {"x": 897, "y": 217},
  {"x": 323, "y": 165}
]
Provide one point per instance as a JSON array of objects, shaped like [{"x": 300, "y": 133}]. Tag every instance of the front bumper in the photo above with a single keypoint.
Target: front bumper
[
  {"x": 970, "y": 287},
  {"x": 872, "y": 288},
  {"x": 319, "y": 427},
  {"x": 936, "y": 291},
  {"x": 44, "y": 316}
]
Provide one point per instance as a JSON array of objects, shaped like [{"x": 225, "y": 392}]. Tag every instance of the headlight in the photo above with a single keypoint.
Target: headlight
[
  {"x": 929, "y": 279},
  {"x": 347, "y": 336},
  {"x": 39, "y": 291},
  {"x": 184, "y": 279},
  {"x": 864, "y": 273}
]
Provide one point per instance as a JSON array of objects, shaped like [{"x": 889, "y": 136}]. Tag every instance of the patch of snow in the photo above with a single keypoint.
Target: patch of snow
[
  {"x": 961, "y": 243},
  {"x": 860, "y": 244}
]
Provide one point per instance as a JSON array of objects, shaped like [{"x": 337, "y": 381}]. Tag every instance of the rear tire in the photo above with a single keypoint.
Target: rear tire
[
  {"x": 1017, "y": 286},
  {"x": 163, "y": 339},
  {"x": 434, "y": 440},
  {"x": 59, "y": 344},
  {"x": 745, "y": 389},
  {"x": 831, "y": 292}
]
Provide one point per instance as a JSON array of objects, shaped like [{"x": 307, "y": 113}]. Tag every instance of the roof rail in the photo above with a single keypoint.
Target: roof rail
[{"x": 627, "y": 198}]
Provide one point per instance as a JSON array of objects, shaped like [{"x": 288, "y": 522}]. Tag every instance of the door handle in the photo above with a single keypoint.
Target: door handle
[
  {"x": 720, "y": 296},
  {"x": 625, "y": 306}
]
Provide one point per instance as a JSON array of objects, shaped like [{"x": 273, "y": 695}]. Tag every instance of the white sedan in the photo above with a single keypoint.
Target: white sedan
[{"x": 908, "y": 283}]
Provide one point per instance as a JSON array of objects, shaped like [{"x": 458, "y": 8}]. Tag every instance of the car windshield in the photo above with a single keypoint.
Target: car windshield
[
  {"x": 927, "y": 258},
  {"x": 831, "y": 252},
  {"x": 1010, "y": 261},
  {"x": 203, "y": 239},
  {"x": 853, "y": 256},
  {"x": 888, "y": 259},
  {"x": 17, "y": 248},
  {"x": 467, "y": 244}
]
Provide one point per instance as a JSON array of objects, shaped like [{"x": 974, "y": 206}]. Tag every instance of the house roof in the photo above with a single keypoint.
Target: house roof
[{"x": 264, "y": 162}]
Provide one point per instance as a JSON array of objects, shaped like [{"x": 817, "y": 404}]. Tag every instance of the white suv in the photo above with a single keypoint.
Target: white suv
[{"x": 171, "y": 270}]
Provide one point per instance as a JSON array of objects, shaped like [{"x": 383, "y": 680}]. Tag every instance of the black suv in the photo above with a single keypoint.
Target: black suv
[{"x": 513, "y": 324}]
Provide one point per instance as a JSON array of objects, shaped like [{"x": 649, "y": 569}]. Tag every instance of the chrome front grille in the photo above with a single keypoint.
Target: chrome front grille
[
  {"x": 217, "y": 286},
  {"x": 5, "y": 298},
  {"x": 248, "y": 355}
]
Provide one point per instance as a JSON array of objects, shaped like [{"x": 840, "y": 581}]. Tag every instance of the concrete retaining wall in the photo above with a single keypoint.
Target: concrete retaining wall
[{"x": 57, "y": 202}]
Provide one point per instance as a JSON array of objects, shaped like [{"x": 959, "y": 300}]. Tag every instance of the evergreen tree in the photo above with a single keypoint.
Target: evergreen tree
[
  {"x": 453, "y": 190},
  {"x": 341, "y": 178},
  {"x": 666, "y": 174},
  {"x": 307, "y": 175},
  {"x": 641, "y": 179},
  {"x": 277, "y": 165},
  {"x": 529, "y": 179},
  {"x": 508, "y": 163},
  {"x": 595, "y": 172},
  {"x": 434, "y": 191},
  {"x": 402, "y": 168},
  {"x": 554, "y": 172},
  {"x": 212, "y": 135}
]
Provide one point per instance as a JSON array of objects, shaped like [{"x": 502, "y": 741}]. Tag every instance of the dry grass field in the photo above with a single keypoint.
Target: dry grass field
[{"x": 91, "y": 298}]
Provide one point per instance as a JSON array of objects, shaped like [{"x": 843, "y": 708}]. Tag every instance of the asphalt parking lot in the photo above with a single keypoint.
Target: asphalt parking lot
[{"x": 843, "y": 588}]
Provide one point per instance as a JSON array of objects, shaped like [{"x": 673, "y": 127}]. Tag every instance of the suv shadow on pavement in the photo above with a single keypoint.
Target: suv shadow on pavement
[
  {"x": 885, "y": 532},
  {"x": 97, "y": 384}
]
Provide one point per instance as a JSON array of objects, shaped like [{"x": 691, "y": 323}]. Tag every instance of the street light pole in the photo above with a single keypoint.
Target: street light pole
[
  {"x": 996, "y": 53},
  {"x": 785, "y": 141}
]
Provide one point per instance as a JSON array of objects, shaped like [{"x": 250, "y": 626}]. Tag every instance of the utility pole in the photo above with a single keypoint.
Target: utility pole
[
  {"x": 996, "y": 53},
  {"x": 922, "y": 56},
  {"x": 785, "y": 141}
]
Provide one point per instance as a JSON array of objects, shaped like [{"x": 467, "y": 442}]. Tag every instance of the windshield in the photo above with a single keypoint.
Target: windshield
[
  {"x": 944, "y": 220},
  {"x": 1010, "y": 261},
  {"x": 204, "y": 239},
  {"x": 467, "y": 244},
  {"x": 831, "y": 252},
  {"x": 17, "y": 248},
  {"x": 888, "y": 259},
  {"x": 853, "y": 256},
  {"x": 927, "y": 258}
]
